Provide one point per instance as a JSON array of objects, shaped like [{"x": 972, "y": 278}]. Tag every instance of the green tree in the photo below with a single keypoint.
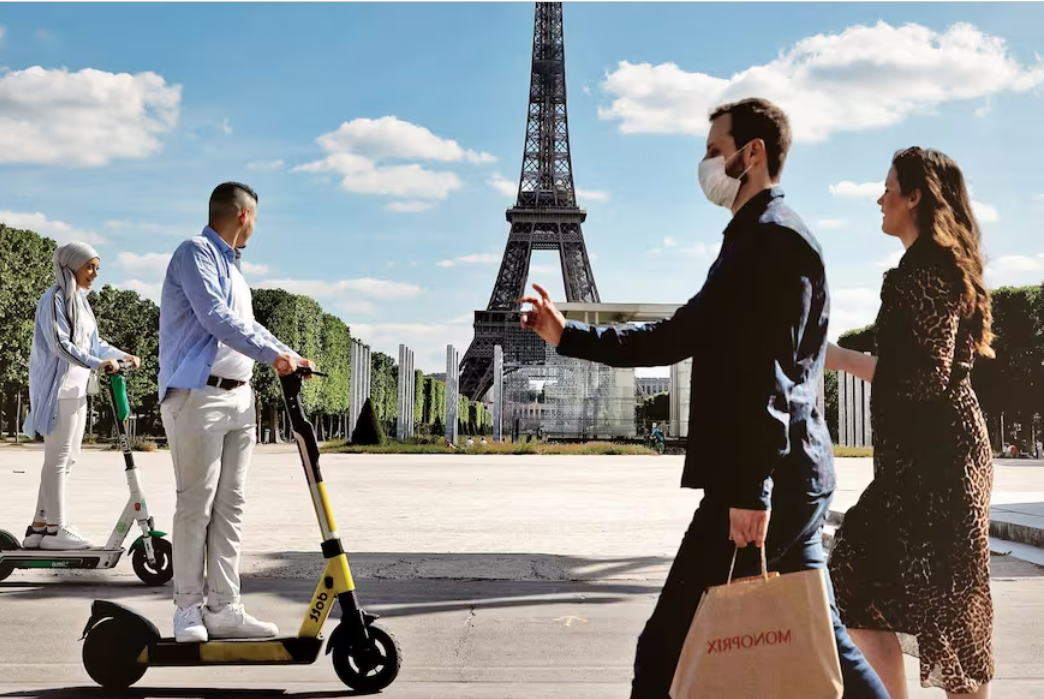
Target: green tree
[
  {"x": 25, "y": 274},
  {"x": 830, "y": 403},
  {"x": 131, "y": 323},
  {"x": 368, "y": 430},
  {"x": 335, "y": 361},
  {"x": 273, "y": 308}
]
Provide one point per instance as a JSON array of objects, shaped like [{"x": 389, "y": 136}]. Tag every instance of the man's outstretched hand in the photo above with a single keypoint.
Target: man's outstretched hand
[{"x": 544, "y": 319}]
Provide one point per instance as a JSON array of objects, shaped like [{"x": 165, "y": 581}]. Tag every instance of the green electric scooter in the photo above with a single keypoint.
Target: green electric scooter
[{"x": 150, "y": 553}]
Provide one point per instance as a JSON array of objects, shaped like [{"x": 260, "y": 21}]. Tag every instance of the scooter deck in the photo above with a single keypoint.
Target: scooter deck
[
  {"x": 90, "y": 559},
  {"x": 285, "y": 650}
]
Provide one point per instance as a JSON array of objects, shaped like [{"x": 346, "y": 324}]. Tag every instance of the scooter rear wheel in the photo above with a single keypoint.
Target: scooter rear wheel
[
  {"x": 369, "y": 668},
  {"x": 6, "y": 545},
  {"x": 158, "y": 574},
  {"x": 110, "y": 654}
]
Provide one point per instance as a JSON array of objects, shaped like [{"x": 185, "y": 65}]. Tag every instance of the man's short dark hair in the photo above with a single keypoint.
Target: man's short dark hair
[
  {"x": 229, "y": 198},
  {"x": 758, "y": 118}
]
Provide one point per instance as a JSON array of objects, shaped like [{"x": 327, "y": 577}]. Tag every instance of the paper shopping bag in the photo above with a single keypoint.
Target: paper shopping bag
[{"x": 769, "y": 637}]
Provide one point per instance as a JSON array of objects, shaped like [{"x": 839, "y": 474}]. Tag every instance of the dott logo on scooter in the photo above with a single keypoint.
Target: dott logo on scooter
[
  {"x": 320, "y": 604},
  {"x": 724, "y": 645}
]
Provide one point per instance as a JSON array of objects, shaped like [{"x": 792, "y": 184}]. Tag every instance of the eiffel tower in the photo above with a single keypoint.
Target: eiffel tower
[{"x": 545, "y": 216}]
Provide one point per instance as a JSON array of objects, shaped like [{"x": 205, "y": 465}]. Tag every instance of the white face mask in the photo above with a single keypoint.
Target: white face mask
[{"x": 717, "y": 185}]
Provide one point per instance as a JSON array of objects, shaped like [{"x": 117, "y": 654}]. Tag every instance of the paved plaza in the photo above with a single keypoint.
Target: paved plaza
[{"x": 502, "y": 576}]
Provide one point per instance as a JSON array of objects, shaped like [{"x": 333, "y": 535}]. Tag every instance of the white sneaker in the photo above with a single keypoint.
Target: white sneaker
[
  {"x": 65, "y": 539},
  {"x": 33, "y": 537},
  {"x": 188, "y": 625},
  {"x": 232, "y": 621}
]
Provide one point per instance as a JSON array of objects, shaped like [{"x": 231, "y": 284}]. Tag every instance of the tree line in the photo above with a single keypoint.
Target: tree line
[
  {"x": 1009, "y": 387},
  {"x": 131, "y": 322}
]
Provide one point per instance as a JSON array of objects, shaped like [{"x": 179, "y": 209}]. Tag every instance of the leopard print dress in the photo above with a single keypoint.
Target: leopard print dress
[{"x": 913, "y": 554}]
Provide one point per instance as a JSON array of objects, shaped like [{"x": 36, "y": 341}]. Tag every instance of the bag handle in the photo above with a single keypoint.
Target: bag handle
[{"x": 764, "y": 565}]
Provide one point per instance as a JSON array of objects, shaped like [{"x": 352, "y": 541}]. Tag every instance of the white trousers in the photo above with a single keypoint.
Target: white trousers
[
  {"x": 211, "y": 437},
  {"x": 61, "y": 449}
]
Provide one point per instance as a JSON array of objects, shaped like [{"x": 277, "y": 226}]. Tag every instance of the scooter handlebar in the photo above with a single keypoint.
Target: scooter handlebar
[{"x": 122, "y": 366}]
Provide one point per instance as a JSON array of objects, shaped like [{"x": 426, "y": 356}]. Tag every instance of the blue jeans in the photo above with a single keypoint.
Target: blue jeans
[{"x": 794, "y": 544}]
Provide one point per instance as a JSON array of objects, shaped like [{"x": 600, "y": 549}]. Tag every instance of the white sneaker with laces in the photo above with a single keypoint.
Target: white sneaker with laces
[
  {"x": 188, "y": 625},
  {"x": 232, "y": 621},
  {"x": 33, "y": 537},
  {"x": 65, "y": 539}
]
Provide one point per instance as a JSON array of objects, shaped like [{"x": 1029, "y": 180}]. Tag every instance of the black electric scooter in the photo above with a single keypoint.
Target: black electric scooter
[{"x": 120, "y": 645}]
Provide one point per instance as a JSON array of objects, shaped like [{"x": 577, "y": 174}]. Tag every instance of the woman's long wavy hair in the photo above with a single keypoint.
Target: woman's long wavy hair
[{"x": 944, "y": 212}]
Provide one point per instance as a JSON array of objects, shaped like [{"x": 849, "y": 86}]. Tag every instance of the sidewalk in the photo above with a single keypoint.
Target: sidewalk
[{"x": 1016, "y": 512}]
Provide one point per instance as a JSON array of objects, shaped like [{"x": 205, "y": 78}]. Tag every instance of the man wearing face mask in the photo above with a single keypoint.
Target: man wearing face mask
[
  {"x": 757, "y": 445},
  {"x": 208, "y": 344}
]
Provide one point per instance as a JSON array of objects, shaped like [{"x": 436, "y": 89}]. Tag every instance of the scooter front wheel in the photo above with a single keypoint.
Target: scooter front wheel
[
  {"x": 162, "y": 571},
  {"x": 110, "y": 655},
  {"x": 370, "y": 667}
]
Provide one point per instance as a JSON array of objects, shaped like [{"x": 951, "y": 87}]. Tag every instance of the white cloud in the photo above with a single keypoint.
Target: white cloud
[
  {"x": 252, "y": 269},
  {"x": 148, "y": 270},
  {"x": 139, "y": 225},
  {"x": 268, "y": 165},
  {"x": 476, "y": 259},
  {"x": 226, "y": 126},
  {"x": 1039, "y": 197},
  {"x": 87, "y": 118},
  {"x": 1018, "y": 263},
  {"x": 984, "y": 213},
  {"x": 59, "y": 231},
  {"x": 851, "y": 309},
  {"x": 3, "y": 30},
  {"x": 985, "y": 110},
  {"x": 873, "y": 191},
  {"x": 592, "y": 194},
  {"x": 152, "y": 264},
  {"x": 892, "y": 260},
  {"x": 504, "y": 185},
  {"x": 427, "y": 340},
  {"x": 409, "y": 206},
  {"x": 1014, "y": 270},
  {"x": 703, "y": 250},
  {"x": 863, "y": 78},
  {"x": 363, "y": 176},
  {"x": 851, "y": 190},
  {"x": 390, "y": 137},
  {"x": 358, "y": 307},
  {"x": 375, "y": 288},
  {"x": 698, "y": 249},
  {"x": 357, "y": 148},
  {"x": 831, "y": 223},
  {"x": 150, "y": 290}
]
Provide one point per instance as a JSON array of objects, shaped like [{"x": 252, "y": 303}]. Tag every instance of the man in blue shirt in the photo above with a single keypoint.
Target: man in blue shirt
[
  {"x": 757, "y": 445},
  {"x": 208, "y": 344}
]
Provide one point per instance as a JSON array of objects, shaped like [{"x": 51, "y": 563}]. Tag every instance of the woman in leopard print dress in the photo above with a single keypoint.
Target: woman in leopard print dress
[{"x": 913, "y": 554}]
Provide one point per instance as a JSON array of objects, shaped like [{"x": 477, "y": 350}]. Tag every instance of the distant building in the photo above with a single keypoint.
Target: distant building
[{"x": 651, "y": 385}]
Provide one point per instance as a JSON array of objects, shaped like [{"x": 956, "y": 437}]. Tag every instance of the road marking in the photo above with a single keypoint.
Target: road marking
[{"x": 570, "y": 619}]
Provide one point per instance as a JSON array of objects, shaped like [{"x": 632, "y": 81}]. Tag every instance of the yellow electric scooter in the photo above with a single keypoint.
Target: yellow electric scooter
[{"x": 120, "y": 645}]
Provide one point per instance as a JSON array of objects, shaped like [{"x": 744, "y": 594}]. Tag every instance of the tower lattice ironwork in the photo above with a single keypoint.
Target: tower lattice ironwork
[{"x": 545, "y": 216}]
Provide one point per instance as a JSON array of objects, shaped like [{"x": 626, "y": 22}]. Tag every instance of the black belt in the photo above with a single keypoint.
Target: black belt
[{"x": 227, "y": 384}]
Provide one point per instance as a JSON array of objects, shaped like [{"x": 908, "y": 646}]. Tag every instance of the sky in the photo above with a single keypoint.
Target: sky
[{"x": 385, "y": 139}]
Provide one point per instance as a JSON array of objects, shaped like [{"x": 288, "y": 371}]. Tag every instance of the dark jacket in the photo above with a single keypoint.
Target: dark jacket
[{"x": 757, "y": 334}]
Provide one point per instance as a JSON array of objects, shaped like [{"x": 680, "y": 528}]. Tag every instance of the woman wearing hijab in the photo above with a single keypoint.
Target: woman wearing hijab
[{"x": 65, "y": 350}]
